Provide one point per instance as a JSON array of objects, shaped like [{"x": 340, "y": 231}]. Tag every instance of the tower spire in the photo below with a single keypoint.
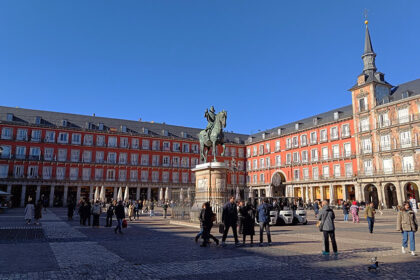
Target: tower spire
[{"x": 368, "y": 54}]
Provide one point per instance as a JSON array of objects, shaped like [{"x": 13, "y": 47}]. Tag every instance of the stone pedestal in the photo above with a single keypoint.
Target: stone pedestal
[{"x": 210, "y": 185}]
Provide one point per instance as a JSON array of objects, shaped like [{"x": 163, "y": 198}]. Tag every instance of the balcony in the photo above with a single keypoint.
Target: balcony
[
  {"x": 345, "y": 134},
  {"x": 364, "y": 127}
]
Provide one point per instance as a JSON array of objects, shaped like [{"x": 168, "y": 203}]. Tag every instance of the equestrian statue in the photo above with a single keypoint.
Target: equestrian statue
[{"x": 213, "y": 135}]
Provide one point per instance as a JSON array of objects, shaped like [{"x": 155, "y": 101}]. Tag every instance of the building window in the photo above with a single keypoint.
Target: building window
[
  {"x": 194, "y": 149},
  {"x": 185, "y": 148},
  {"x": 165, "y": 177},
  {"x": 19, "y": 171},
  {"x": 36, "y": 135},
  {"x": 110, "y": 175},
  {"x": 385, "y": 142},
  {"x": 135, "y": 143},
  {"x": 267, "y": 162},
  {"x": 185, "y": 162},
  {"x": 367, "y": 164},
  {"x": 364, "y": 124},
  {"x": 303, "y": 140},
  {"x": 261, "y": 149},
  {"x": 76, "y": 139},
  {"x": 305, "y": 174},
  {"x": 296, "y": 174},
  {"x": 134, "y": 159},
  {"x": 86, "y": 174},
  {"x": 47, "y": 172},
  {"x": 254, "y": 151},
  {"x": 313, "y": 137},
  {"x": 4, "y": 170},
  {"x": 88, "y": 140},
  {"x": 337, "y": 171},
  {"x": 87, "y": 156},
  {"x": 144, "y": 160},
  {"x": 123, "y": 158},
  {"x": 267, "y": 148},
  {"x": 288, "y": 143},
  {"x": 324, "y": 151},
  {"x": 112, "y": 141},
  {"x": 156, "y": 145},
  {"x": 255, "y": 179},
  {"x": 166, "y": 161},
  {"x": 304, "y": 156},
  {"x": 324, "y": 137},
  {"x": 49, "y": 137},
  {"x": 334, "y": 133},
  {"x": 175, "y": 177},
  {"x": 403, "y": 116},
  {"x": 248, "y": 152},
  {"x": 22, "y": 134},
  {"x": 336, "y": 116},
  {"x": 48, "y": 153},
  {"x": 349, "y": 169},
  {"x": 175, "y": 161},
  {"x": 335, "y": 151},
  {"x": 60, "y": 173},
  {"x": 278, "y": 160},
  {"x": 99, "y": 174},
  {"x": 296, "y": 157},
  {"x": 363, "y": 104},
  {"x": 383, "y": 120},
  {"x": 33, "y": 172},
  {"x": 347, "y": 149},
  {"x": 63, "y": 138},
  {"x": 99, "y": 158},
  {"x": 387, "y": 165},
  {"x": 262, "y": 178},
  {"x": 288, "y": 158},
  {"x": 405, "y": 139},
  {"x": 326, "y": 171},
  {"x": 74, "y": 173},
  {"x": 122, "y": 175},
  {"x": 366, "y": 146},
  {"x": 176, "y": 147},
  {"x": 155, "y": 160},
  {"x": 345, "y": 130},
  {"x": 100, "y": 140},
  {"x": 277, "y": 149},
  {"x": 194, "y": 162},
  {"x": 185, "y": 178},
  {"x": 75, "y": 155},
  {"x": 295, "y": 141},
  {"x": 166, "y": 146},
  {"x": 112, "y": 157},
  {"x": 35, "y": 153},
  {"x": 62, "y": 154},
  {"x": 255, "y": 164},
  {"x": 124, "y": 142},
  {"x": 133, "y": 175},
  {"x": 408, "y": 164},
  {"x": 261, "y": 163}
]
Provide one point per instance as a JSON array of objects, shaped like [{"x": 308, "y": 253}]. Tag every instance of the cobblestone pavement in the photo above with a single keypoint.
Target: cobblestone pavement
[{"x": 151, "y": 248}]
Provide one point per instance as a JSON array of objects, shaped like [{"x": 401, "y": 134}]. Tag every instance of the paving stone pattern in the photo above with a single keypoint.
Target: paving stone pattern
[{"x": 153, "y": 249}]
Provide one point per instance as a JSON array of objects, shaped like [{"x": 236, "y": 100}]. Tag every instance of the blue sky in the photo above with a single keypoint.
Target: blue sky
[{"x": 266, "y": 62}]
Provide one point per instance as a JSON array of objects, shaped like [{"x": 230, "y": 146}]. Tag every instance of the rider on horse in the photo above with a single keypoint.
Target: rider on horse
[{"x": 211, "y": 117}]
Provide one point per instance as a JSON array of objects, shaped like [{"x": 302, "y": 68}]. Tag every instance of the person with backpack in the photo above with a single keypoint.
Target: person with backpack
[
  {"x": 96, "y": 212},
  {"x": 230, "y": 219},
  {"x": 264, "y": 220},
  {"x": 207, "y": 217},
  {"x": 354, "y": 210},
  {"x": 326, "y": 226},
  {"x": 248, "y": 226}
]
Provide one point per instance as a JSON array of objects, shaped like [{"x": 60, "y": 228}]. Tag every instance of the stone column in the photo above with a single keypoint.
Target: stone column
[
  {"x": 400, "y": 193},
  {"x": 9, "y": 188},
  {"x": 332, "y": 194},
  {"x": 380, "y": 193},
  {"x": 115, "y": 194},
  {"x": 307, "y": 194},
  {"x": 66, "y": 190},
  {"x": 169, "y": 193},
  {"x": 166, "y": 193},
  {"x": 312, "y": 194},
  {"x": 22, "y": 196},
  {"x": 138, "y": 193},
  {"x": 302, "y": 193},
  {"x": 79, "y": 190},
  {"x": 251, "y": 192},
  {"x": 91, "y": 190},
  {"x": 149, "y": 193},
  {"x": 358, "y": 192},
  {"x": 38, "y": 193},
  {"x": 51, "y": 202}
]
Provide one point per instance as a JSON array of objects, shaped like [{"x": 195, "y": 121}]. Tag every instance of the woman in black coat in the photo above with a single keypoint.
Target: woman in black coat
[
  {"x": 206, "y": 219},
  {"x": 248, "y": 223}
]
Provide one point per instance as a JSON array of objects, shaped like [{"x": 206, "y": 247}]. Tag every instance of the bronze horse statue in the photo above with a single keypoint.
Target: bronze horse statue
[{"x": 213, "y": 138}]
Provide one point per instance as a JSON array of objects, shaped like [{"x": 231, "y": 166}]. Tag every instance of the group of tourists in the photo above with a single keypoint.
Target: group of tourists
[{"x": 236, "y": 215}]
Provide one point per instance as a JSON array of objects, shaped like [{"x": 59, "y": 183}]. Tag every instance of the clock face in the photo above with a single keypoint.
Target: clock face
[{"x": 277, "y": 180}]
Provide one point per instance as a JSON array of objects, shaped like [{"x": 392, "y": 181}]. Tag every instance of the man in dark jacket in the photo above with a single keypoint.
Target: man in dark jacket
[
  {"x": 327, "y": 216},
  {"x": 109, "y": 214},
  {"x": 120, "y": 215},
  {"x": 264, "y": 220},
  {"x": 230, "y": 219}
]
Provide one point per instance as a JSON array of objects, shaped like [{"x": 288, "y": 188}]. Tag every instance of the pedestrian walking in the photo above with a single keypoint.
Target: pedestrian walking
[
  {"x": 38, "y": 212},
  {"x": 81, "y": 213},
  {"x": 407, "y": 224},
  {"x": 96, "y": 212},
  {"x": 70, "y": 210},
  {"x": 165, "y": 209},
  {"x": 230, "y": 219},
  {"x": 130, "y": 211},
  {"x": 45, "y": 201},
  {"x": 316, "y": 208},
  {"x": 370, "y": 216},
  {"x": 241, "y": 215},
  {"x": 136, "y": 210},
  {"x": 346, "y": 209},
  {"x": 120, "y": 215},
  {"x": 354, "y": 210},
  {"x": 152, "y": 209},
  {"x": 140, "y": 207},
  {"x": 326, "y": 226},
  {"x": 109, "y": 214},
  {"x": 29, "y": 211},
  {"x": 264, "y": 220},
  {"x": 87, "y": 213},
  {"x": 248, "y": 223},
  {"x": 207, "y": 217}
]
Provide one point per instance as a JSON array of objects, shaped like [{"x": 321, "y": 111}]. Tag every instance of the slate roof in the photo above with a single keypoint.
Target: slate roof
[
  {"x": 405, "y": 90},
  {"x": 307, "y": 123},
  {"x": 55, "y": 119}
]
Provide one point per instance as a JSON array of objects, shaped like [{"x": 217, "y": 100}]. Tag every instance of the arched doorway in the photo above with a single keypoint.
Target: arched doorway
[
  {"x": 371, "y": 195},
  {"x": 390, "y": 196},
  {"x": 277, "y": 181},
  {"x": 411, "y": 190}
]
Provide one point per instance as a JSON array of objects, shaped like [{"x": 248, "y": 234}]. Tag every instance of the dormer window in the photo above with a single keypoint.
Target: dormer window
[
  {"x": 405, "y": 94},
  {"x": 263, "y": 135},
  {"x": 64, "y": 123},
  {"x": 336, "y": 116},
  {"x": 164, "y": 132},
  {"x": 101, "y": 126},
  {"x": 145, "y": 130},
  {"x": 183, "y": 134},
  {"x": 37, "y": 120},
  {"x": 9, "y": 117},
  {"x": 249, "y": 139},
  {"x": 279, "y": 131},
  {"x": 315, "y": 121},
  {"x": 297, "y": 126},
  {"x": 123, "y": 128},
  {"x": 89, "y": 125}
]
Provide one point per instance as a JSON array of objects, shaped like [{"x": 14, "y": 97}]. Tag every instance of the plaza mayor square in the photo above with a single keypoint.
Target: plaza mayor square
[{"x": 197, "y": 139}]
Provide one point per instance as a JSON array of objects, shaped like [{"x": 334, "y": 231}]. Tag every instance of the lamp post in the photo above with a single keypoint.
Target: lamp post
[{"x": 234, "y": 170}]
